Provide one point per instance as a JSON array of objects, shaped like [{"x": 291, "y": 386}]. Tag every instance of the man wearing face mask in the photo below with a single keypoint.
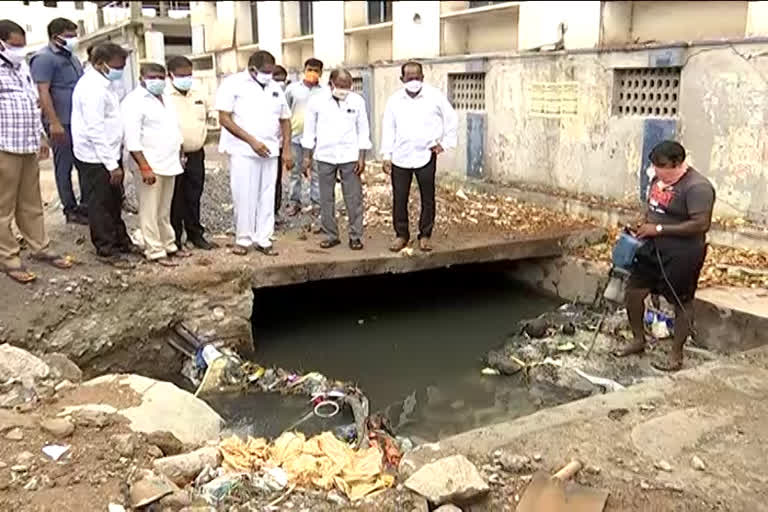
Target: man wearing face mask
[
  {"x": 298, "y": 95},
  {"x": 254, "y": 117},
  {"x": 97, "y": 135},
  {"x": 154, "y": 140},
  {"x": 336, "y": 136},
  {"x": 20, "y": 145},
  {"x": 419, "y": 124},
  {"x": 192, "y": 112},
  {"x": 56, "y": 70},
  {"x": 676, "y": 220}
]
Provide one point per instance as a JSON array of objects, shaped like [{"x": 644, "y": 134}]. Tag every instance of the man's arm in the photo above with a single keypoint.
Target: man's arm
[
  {"x": 363, "y": 137},
  {"x": 450, "y": 124},
  {"x": 225, "y": 104},
  {"x": 95, "y": 130},
  {"x": 700, "y": 201},
  {"x": 285, "y": 130},
  {"x": 132, "y": 121},
  {"x": 388, "y": 136},
  {"x": 309, "y": 137},
  {"x": 42, "y": 68}
]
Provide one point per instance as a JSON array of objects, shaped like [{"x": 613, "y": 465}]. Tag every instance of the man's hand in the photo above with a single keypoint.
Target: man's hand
[
  {"x": 387, "y": 165},
  {"x": 437, "y": 149},
  {"x": 116, "y": 177},
  {"x": 58, "y": 134},
  {"x": 306, "y": 166},
  {"x": 44, "y": 151},
  {"x": 360, "y": 167},
  {"x": 287, "y": 162},
  {"x": 148, "y": 176},
  {"x": 259, "y": 148},
  {"x": 647, "y": 231}
]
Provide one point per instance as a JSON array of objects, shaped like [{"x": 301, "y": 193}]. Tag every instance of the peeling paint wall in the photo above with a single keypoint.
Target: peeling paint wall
[{"x": 723, "y": 122}]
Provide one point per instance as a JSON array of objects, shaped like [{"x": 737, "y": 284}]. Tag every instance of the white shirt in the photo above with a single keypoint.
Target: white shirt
[
  {"x": 97, "y": 128},
  {"x": 151, "y": 126},
  {"x": 256, "y": 109},
  {"x": 411, "y": 126},
  {"x": 339, "y": 129}
]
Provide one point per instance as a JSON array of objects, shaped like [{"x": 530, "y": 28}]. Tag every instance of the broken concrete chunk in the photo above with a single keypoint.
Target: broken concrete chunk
[
  {"x": 15, "y": 434},
  {"x": 124, "y": 444},
  {"x": 450, "y": 480},
  {"x": 514, "y": 463},
  {"x": 58, "y": 427},
  {"x": 663, "y": 465},
  {"x": 182, "y": 469},
  {"x": 698, "y": 464},
  {"x": 16, "y": 363},
  {"x": 92, "y": 418},
  {"x": 149, "y": 489},
  {"x": 63, "y": 368},
  {"x": 167, "y": 442}
]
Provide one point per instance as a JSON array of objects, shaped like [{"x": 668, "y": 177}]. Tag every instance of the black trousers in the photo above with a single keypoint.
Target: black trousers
[
  {"x": 279, "y": 184},
  {"x": 401, "y": 189},
  {"x": 187, "y": 191},
  {"x": 108, "y": 232}
]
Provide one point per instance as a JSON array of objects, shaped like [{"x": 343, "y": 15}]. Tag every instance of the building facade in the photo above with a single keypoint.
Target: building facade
[{"x": 564, "y": 97}]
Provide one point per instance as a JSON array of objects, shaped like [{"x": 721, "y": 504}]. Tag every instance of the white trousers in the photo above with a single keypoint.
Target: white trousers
[
  {"x": 155, "y": 216},
  {"x": 253, "y": 181}
]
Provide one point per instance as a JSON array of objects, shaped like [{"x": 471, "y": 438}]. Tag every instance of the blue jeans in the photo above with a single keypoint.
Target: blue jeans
[
  {"x": 297, "y": 178},
  {"x": 63, "y": 161}
]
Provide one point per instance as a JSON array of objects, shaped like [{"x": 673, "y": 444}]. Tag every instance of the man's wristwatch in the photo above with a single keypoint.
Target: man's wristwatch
[{"x": 659, "y": 228}]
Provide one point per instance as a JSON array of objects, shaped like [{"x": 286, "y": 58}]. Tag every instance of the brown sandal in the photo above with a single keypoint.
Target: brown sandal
[
  {"x": 399, "y": 244},
  {"x": 180, "y": 253},
  {"x": 165, "y": 262},
  {"x": 425, "y": 245},
  {"x": 19, "y": 274},
  {"x": 240, "y": 250},
  {"x": 54, "y": 260}
]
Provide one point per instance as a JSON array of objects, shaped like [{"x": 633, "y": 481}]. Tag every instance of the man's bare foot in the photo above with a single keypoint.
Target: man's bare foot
[
  {"x": 425, "y": 245},
  {"x": 399, "y": 244},
  {"x": 634, "y": 348},
  {"x": 673, "y": 364}
]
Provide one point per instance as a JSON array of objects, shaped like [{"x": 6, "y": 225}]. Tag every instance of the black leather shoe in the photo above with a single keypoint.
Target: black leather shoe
[
  {"x": 76, "y": 218},
  {"x": 202, "y": 243}
]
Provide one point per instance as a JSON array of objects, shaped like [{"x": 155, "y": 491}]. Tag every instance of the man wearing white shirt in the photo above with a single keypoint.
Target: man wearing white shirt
[
  {"x": 153, "y": 139},
  {"x": 97, "y": 135},
  {"x": 253, "y": 114},
  {"x": 419, "y": 124},
  {"x": 336, "y": 136}
]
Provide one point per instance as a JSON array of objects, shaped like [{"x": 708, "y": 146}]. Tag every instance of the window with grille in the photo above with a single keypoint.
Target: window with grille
[
  {"x": 379, "y": 12},
  {"x": 466, "y": 91},
  {"x": 357, "y": 84},
  {"x": 305, "y": 18},
  {"x": 648, "y": 92},
  {"x": 553, "y": 99}
]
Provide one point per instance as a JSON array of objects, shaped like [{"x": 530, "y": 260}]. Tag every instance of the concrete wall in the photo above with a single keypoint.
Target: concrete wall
[
  {"x": 416, "y": 30},
  {"x": 539, "y": 23},
  {"x": 687, "y": 21}
]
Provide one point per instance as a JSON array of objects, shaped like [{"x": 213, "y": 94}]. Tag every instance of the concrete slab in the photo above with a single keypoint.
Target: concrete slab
[{"x": 717, "y": 413}]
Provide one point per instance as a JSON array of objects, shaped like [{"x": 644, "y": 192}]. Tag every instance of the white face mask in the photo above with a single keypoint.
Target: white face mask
[
  {"x": 263, "y": 78},
  {"x": 14, "y": 54},
  {"x": 281, "y": 83},
  {"x": 340, "y": 94},
  {"x": 413, "y": 86},
  {"x": 69, "y": 43}
]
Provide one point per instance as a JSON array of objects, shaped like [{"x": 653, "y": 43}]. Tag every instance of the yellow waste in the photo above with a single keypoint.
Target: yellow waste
[{"x": 323, "y": 461}]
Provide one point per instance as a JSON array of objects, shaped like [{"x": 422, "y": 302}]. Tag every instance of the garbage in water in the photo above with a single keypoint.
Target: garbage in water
[{"x": 323, "y": 461}]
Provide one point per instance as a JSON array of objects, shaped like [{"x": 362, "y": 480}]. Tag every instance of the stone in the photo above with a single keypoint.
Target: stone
[
  {"x": 697, "y": 463},
  {"x": 58, "y": 427},
  {"x": 448, "y": 508},
  {"x": 450, "y": 480},
  {"x": 514, "y": 463},
  {"x": 176, "y": 501},
  {"x": 593, "y": 470},
  {"x": 154, "y": 452},
  {"x": 63, "y": 368},
  {"x": 15, "y": 435},
  {"x": 663, "y": 465},
  {"x": 167, "y": 442},
  {"x": 16, "y": 363},
  {"x": 182, "y": 469},
  {"x": 25, "y": 458},
  {"x": 149, "y": 489},
  {"x": 10, "y": 420},
  {"x": 92, "y": 418},
  {"x": 124, "y": 444},
  {"x": 537, "y": 457}
]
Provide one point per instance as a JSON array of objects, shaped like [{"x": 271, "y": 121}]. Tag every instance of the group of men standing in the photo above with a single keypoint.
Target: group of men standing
[
  {"x": 158, "y": 132},
  {"x": 323, "y": 133}
]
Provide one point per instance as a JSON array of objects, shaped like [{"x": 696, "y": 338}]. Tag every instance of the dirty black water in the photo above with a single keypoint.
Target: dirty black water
[{"x": 413, "y": 343}]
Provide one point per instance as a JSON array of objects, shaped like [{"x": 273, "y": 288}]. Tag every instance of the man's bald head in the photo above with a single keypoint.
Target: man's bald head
[{"x": 341, "y": 78}]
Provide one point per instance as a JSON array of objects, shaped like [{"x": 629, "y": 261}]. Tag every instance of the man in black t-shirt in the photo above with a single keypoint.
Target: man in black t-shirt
[{"x": 677, "y": 218}]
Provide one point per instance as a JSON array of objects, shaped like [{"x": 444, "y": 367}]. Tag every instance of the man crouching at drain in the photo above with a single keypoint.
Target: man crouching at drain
[{"x": 677, "y": 218}]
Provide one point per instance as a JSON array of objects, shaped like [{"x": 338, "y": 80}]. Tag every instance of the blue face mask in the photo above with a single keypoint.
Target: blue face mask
[
  {"x": 113, "y": 75},
  {"x": 155, "y": 86},
  {"x": 182, "y": 83}
]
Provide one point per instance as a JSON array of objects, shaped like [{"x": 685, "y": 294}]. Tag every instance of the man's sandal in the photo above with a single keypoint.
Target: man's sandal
[
  {"x": 19, "y": 274},
  {"x": 239, "y": 250},
  {"x": 54, "y": 260}
]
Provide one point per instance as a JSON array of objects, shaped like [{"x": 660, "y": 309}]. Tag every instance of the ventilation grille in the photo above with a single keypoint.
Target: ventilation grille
[
  {"x": 553, "y": 99},
  {"x": 357, "y": 84},
  {"x": 646, "y": 92},
  {"x": 466, "y": 91}
]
